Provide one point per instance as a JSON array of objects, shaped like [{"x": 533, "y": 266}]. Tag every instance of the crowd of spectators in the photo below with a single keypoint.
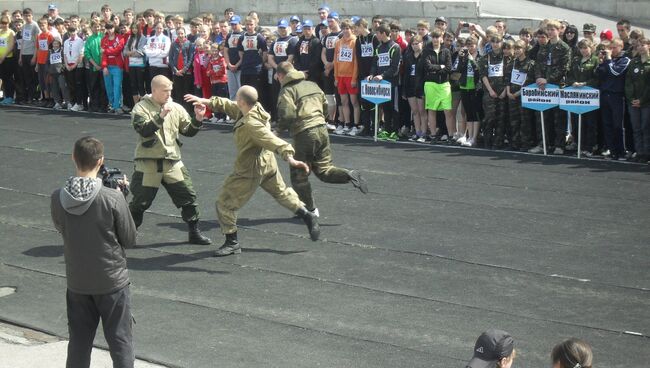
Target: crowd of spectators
[{"x": 451, "y": 84}]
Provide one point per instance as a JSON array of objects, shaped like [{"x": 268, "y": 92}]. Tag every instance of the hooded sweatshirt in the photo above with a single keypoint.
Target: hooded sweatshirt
[{"x": 96, "y": 226}]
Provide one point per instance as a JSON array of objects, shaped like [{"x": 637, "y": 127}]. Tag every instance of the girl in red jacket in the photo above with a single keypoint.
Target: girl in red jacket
[
  {"x": 201, "y": 79},
  {"x": 217, "y": 73},
  {"x": 112, "y": 67}
]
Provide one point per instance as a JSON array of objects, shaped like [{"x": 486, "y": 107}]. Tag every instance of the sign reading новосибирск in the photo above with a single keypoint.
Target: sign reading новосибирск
[{"x": 376, "y": 92}]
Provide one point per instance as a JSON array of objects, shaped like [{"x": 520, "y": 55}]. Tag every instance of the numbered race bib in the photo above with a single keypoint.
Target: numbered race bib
[
  {"x": 470, "y": 70},
  {"x": 216, "y": 67},
  {"x": 495, "y": 70},
  {"x": 19, "y": 43},
  {"x": 518, "y": 77},
  {"x": 304, "y": 47},
  {"x": 233, "y": 41},
  {"x": 549, "y": 59},
  {"x": 55, "y": 58},
  {"x": 250, "y": 43},
  {"x": 202, "y": 59},
  {"x": 345, "y": 54},
  {"x": 454, "y": 67},
  {"x": 3, "y": 42},
  {"x": 366, "y": 50},
  {"x": 383, "y": 59},
  {"x": 412, "y": 70},
  {"x": 280, "y": 48},
  {"x": 27, "y": 34},
  {"x": 330, "y": 42}
]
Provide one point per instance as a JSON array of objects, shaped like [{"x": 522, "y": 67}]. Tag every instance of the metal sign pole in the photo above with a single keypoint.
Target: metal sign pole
[
  {"x": 579, "y": 134},
  {"x": 543, "y": 132},
  {"x": 376, "y": 120}
]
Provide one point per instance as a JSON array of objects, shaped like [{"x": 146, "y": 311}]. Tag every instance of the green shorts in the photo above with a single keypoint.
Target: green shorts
[{"x": 437, "y": 96}]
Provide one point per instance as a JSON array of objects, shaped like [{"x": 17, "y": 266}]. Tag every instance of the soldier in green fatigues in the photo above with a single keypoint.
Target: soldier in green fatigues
[
  {"x": 301, "y": 107},
  {"x": 492, "y": 67},
  {"x": 583, "y": 73},
  {"x": 551, "y": 67},
  {"x": 158, "y": 122},
  {"x": 255, "y": 165},
  {"x": 520, "y": 73}
]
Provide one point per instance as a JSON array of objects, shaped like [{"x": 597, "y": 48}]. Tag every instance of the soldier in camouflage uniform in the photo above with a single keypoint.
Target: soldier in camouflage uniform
[
  {"x": 583, "y": 73},
  {"x": 255, "y": 165},
  {"x": 492, "y": 67},
  {"x": 521, "y": 72},
  {"x": 301, "y": 107},
  {"x": 551, "y": 67},
  {"x": 159, "y": 121}
]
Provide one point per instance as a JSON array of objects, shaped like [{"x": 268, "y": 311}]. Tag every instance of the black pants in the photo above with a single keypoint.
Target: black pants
[
  {"x": 182, "y": 86},
  {"x": 96, "y": 90},
  {"x": 29, "y": 77},
  {"x": 612, "y": 108},
  {"x": 252, "y": 80},
  {"x": 137, "y": 80},
  {"x": 7, "y": 71},
  {"x": 76, "y": 85},
  {"x": 84, "y": 313},
  {"x": 156, "y": 70}
]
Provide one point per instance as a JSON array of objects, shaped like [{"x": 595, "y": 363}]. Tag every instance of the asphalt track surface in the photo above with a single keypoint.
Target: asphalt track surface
[{"x": 448, "y": 243}]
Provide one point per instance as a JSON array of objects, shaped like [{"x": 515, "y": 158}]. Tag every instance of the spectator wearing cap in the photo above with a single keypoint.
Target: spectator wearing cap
[
  {"x": 294, "y": 22},
  {"x": 606, "y": 35},
  {"x": 307, "y": 54},
  {"x": 53, "y": 12},
  {"x": 252, "y": 52},
  {"x": 493, "y": 349},
  {"x": 231, "y": 54},
  {"x": 572, "y": 353},
  {"x": 611, "y": 75},
  {"x": 570, "y": 37},
  {"x": 323, "y": 13},
  {"x": 328, "y": 43},
  {"x": 282, "y": 49},
  {"x": 441, "y": 24},
  {"x": 588, "y": 32},
  {"x": 637, "y": 92},
  {"x": 495, "y": 80}
]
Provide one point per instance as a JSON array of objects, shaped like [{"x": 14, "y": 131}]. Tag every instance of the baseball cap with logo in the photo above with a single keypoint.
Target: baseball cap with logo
[
  {"x": 307, "y": 23},
  {"x": 283, "y": 23},
  {"x": 491, "y": 346},
  {"x": 324, "y": 7},
  {"x": 51, "y": 7},
  {"x": 294, "y": 18},
  {"x": 333, "y": 15},
  {"x": 235, "y": 19}
]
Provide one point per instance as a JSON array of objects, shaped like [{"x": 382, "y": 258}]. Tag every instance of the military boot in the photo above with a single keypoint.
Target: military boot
[
  {"x": 195, "y": 236},
  {"x": 230, "y": 246},
  {"x": 311, "y": 220}
]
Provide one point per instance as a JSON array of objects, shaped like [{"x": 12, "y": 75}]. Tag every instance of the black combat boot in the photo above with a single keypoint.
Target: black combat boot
[
  {"x": 230, "y": 246},
  {"x": 311, "y": 220},
  {"x": 195, "y": 236}
]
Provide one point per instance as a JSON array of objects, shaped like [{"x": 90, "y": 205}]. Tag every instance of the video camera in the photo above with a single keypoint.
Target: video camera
[{"x": 113, "y": 178}]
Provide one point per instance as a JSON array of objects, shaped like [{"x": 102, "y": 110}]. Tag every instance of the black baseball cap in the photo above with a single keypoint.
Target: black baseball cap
[
  {"x": 441, "y": 19},
  {"x": 491, "y": 346}
]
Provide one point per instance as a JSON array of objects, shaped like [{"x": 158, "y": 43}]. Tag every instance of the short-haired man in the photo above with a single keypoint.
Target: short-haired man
[
  {"x": 96, "y": 227},
  {"x": 255, "y": 165},
  {"x": 159, "y": 121},
  {"x": 301, "y": 110},
  {"x": 623, "y": 28},
  {"x": 27, "y": 59}
]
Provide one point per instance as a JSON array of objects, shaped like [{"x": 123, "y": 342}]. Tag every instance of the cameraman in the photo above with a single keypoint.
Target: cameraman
[{"x": 96, "y": 226}]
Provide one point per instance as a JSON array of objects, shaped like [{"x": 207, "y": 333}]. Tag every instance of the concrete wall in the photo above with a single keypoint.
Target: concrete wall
[
  {"x": 636, "y": 11},
  {"x": 408, "y": 12}
]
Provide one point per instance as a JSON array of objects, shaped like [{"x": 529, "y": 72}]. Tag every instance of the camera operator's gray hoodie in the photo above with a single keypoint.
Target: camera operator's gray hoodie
[{"x": 96, "y": 226}]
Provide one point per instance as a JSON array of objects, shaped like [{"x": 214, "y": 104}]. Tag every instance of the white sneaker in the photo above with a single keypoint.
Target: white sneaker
[
  {"x": 339, "y": 130},
  {"x": 467, "y": 143},
  {"x": 77, "y": 107},
  {"x": 2, "y": 94},
  {"x": 214, "y": 119},
  {"x": 536, "y": 149},
  {"x": 315, "y": 212},
  {"x": 444, "y": 138},
  {"x": 421, "y": 140},
  {"x": 461, "y": 140},
  {"x": 346, "y": 130},
  {"x": 352, "y": 132},
  {"x": 331, "y": 127},
  {"x": 70, "y": 106},
  {"x": 57, "y": 106},
  {"x": 606, "y": 153},
  {"x": 413, "y": 138}
]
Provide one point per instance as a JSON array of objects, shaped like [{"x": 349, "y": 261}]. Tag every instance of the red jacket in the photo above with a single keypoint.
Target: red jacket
[
  {"x": 217, "y": 70},
  {"x": 112, "y": 51}
]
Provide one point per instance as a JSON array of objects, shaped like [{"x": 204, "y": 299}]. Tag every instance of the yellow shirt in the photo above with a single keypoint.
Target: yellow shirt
[{"x": 7, "y": 43}]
